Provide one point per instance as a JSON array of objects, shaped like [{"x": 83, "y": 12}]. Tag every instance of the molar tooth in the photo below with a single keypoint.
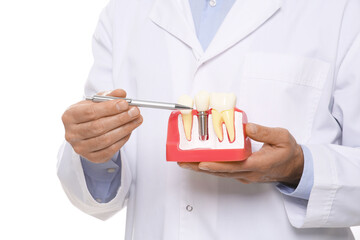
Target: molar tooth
[
  {"x": 223, "y": 105},
  {"x": 186, "y": 114}
]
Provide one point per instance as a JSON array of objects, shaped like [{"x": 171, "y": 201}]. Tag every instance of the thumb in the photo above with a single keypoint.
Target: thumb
[
  {"x": 264, "y": 134},
  {"x": 114, "y": 93}
]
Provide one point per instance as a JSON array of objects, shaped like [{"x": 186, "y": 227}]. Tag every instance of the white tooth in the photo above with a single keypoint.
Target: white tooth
[
  {"x": 187, "y": 101},
  {"x": 222, "y": 101},
  {"x": 223, "y": 105},
  {"x": 202, "y": 101},
  {"x": 187, "y": 114}
]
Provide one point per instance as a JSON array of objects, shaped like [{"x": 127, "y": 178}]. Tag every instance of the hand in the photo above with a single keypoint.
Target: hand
[
  {"x": 279, "y": 160},
  {"x": 97, "y": 131}
]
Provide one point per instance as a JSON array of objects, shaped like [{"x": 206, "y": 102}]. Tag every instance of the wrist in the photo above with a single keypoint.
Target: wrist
[{"x": 297, "y": 168}]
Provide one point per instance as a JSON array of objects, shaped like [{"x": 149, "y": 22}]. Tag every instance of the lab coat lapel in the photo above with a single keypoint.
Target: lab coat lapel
[
  {"x": 174, "y": 16},
  {"x": 244, "y": 17}
]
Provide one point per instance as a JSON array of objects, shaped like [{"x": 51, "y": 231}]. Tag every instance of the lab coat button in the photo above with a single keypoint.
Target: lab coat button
[
  {"x": 111, "y": 170},
  {"x": 189, "y": 208}
]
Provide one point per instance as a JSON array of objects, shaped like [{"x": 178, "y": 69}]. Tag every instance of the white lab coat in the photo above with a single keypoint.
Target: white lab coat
[{"x": 292, "y": 64}]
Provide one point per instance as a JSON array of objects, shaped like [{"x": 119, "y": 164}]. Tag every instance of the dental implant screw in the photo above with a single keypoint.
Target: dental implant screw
[{"x": 203, "y": 125}]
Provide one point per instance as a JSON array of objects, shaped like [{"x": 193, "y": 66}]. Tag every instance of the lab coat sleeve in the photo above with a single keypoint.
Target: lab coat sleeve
[
  {"x": 335, "y": 196},
  {"x": 70, "y": 170}
]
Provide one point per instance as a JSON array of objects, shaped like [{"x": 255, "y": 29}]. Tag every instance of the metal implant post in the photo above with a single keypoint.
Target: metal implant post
[
  {"x": 202, "y": 101},
  {"x": 203, "y": 125}
]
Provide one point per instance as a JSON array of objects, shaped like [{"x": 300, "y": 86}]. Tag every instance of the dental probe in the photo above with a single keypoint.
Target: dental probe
[{"x": 141, "y": 103}]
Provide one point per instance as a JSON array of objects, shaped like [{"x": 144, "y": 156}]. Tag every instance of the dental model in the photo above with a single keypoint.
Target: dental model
[
  {"x": 202, "y": 101},
  {"x": 191, "y": 140},
  {"x": 187, "y": 114}
]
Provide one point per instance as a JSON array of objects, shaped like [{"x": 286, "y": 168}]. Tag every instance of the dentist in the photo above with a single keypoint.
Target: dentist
[{"x": 294, "y": 66}]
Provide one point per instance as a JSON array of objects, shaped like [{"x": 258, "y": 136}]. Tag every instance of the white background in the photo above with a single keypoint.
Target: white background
[{"x": 45, "y": 56}]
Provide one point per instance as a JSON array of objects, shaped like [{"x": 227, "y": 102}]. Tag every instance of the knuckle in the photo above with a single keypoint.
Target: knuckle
[
  {"x": 127, "y": 138},
  {"x": 124, "y": 140},
  {"x": 283, "y": 134},
  {"x": 93, "y": 157},
  {"x": 283, "y": 131},
  {"x": 98, "y": 142},
  {"x": 136, "y": 123},
  {"x": 78, "y": 149},
  {"x": 287, "y": 135},
  {"x": 113, "y": 105},
  {"x": 113, "y": 148},
  {"x": 65, "y": 118},
  {"x": 89, "y": 111},
  {"x": 122, "y": 118},
  {"x": 110, "y": 151},
  {"x": 102, "y": 141},
  {"x": 69, "y": 136},
  {"x": 70, "y": 114},
  {"x": 106, "y": 140},
  {"x": 126, "y": 129},
  {"x": 140, "y": 120},
  {"x": 122, "y": 143},
  {"x": 252, "y": 178},
  {"x": 97, "y": 127}
]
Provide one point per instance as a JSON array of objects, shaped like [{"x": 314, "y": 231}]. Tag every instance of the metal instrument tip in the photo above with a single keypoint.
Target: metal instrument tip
[{"x": 183, "y": 107}]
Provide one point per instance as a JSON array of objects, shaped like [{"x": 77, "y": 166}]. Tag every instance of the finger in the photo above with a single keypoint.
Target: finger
[
  {"x": 103, "y": 125},
  {"x": 189, "y": 165},
  {"x": 249, "y": 176},
  {"x": 106, "y": 154},
  {"x": 195, "y": 167},
  {"x": 109, "y": 138},
  {"x": 226, "y": 167},
  {"x": 256, "y": 162},
  {"x": 116, "y": 93},
  {"x": 85, "y": 111},
  {"x": 234, "y": 175},
  {"x": 81, "y": 113},
  {"x": 244, "y": 176},
  {"x": 243, "y": 181},
  {"x": 266, "y": 134},
  {"x": 81, "y": 102},
  {"x": 263, "y": 160}
]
